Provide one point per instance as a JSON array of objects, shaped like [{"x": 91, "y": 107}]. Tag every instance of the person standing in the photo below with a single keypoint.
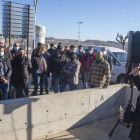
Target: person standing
[
  {"x": 22, "y": 69},
  {"x": 107, "y": 58},
  {"x": 47, "y": 57},
  {"x": 39, "y": 69},
  {"x": 51, "y": 51},
  {"x": 72, "y": 69},
  {"x": 57, "y": 62},
  {"x": 5, "y": 72},
  {"x": 14, "y": 52},
  {"x": 86, "y": 64},
  {"x": 99, "y": 74},
  {"x": 72, "y": 49},
  {"x": 66, "y": 51},
  {"x": 81, "y": 52}
]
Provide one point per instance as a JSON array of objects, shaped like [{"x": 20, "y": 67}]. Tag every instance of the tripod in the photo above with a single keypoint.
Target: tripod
[{"x": 127, "y": 108}]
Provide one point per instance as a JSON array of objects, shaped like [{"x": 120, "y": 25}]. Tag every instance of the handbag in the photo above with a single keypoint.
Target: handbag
[
  {"x": 63, "y": 76},
  {"x": 36, "y": 73}
]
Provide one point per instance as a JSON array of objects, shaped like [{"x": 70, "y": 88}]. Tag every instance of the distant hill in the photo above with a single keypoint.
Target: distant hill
[{"x": 68, "y": 42}]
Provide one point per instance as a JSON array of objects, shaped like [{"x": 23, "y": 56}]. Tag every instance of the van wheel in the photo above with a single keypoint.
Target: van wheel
[{"x": 121, "y": 79}]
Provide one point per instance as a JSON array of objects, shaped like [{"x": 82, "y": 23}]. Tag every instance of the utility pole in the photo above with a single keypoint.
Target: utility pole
[
  {"x": 35, "y": 5},
  {"x": 79, "y": 32}
]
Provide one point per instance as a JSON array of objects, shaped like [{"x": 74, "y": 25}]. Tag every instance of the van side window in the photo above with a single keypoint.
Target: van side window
[
  {"x": 86, "y": 50},
  {"x": 115, "y": 62}
]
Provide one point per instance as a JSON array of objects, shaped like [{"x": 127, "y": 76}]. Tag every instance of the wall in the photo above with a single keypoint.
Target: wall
[{"x": 37, "y": 116}]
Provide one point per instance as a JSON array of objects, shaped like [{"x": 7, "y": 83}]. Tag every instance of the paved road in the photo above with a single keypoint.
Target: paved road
[
  {"x": 80, "y": 86},
  {"x": 98, "y": 130}
]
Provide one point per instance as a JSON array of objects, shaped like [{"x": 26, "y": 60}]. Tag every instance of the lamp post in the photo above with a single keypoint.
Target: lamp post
[
  {"x": 35, "y": 5},
  {"x": 79, "y": 32}
]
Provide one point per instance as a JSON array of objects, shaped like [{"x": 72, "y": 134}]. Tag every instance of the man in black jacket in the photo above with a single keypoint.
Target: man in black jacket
[
  {"x": 66, "y": 51},
  {"x": 57, "y": 62},
  {"x": 47, "y": 57},
  {"x": 131, "y": 116},
  {"x": 51, "y": 51},
  {"x": 14, "y": 52},
  {"x": 22, "y": 69}
]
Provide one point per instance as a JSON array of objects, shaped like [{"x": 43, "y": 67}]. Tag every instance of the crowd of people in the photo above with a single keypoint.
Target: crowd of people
[{"x": 65, "y": 66}]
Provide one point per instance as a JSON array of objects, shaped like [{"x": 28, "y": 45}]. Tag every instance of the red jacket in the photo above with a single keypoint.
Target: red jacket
[{"x": 84, "y": 61}]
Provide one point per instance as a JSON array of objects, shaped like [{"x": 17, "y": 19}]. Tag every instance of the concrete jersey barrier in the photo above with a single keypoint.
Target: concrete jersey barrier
[{"x": 38, "y": 116}]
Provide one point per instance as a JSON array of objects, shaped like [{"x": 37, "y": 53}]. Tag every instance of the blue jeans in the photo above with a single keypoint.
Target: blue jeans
[
  {"x": 4, "y": 87},
  {"x": 63, "y": 85},
  {"x": 55, "y": 82},
  {"x": 85, "y": 84},
  {"x": 39, "y": 79}
]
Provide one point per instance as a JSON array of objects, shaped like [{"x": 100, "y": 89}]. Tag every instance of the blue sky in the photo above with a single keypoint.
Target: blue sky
[{"x": 102, "y": 19}]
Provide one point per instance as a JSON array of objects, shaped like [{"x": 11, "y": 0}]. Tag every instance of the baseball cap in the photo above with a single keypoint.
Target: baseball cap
[{"x": 59, "y": 47}]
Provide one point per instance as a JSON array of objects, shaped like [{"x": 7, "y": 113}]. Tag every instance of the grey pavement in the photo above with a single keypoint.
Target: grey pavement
[
  {"x": 98, "y": 130},
  {"x": 31, "y": 87}
]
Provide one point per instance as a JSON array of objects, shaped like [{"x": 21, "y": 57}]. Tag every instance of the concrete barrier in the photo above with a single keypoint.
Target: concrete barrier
[{"x": 38, "y": 116}]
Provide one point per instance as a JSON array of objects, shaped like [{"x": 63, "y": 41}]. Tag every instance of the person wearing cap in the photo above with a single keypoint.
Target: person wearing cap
[
  {"x": 57, "y": 62},
  {"x": 14, "y": 52},
  {"x": 61, "y": 44},
  {"x": 107, "y": 58}
]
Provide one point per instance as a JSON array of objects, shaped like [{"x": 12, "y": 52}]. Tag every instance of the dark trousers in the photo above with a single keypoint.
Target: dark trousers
[
  {"x": 63, "y": 85},
  {"x": 46, "y": 84},
  {"x": 19, "y": 87},
  {"x": 92, "y": 86}
]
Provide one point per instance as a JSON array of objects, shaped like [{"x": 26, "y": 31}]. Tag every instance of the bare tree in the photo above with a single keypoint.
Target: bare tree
[{"x": 122, "y": 40}]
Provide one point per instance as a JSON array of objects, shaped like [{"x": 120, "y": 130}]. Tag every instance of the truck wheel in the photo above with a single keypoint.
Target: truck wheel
[{"x": 121, "y": 79}]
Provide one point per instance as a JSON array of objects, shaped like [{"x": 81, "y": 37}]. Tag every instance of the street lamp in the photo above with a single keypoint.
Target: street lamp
[
  {"x": 79, "y": 31},
  {"x": 35, "y": 5}
]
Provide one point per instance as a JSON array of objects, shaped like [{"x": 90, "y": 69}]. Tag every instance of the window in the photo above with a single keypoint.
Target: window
[
  {"x": 115, "y": 62},
  {"x": 121, "y": 56},
  {"x": 86, "y": 50}
]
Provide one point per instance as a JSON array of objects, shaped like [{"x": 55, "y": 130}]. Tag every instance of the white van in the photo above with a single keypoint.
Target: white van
[{"x": 119, "y": 60}]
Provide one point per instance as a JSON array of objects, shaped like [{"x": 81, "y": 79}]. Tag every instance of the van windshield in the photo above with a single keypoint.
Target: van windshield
[{"x": 122, "y": 56}]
